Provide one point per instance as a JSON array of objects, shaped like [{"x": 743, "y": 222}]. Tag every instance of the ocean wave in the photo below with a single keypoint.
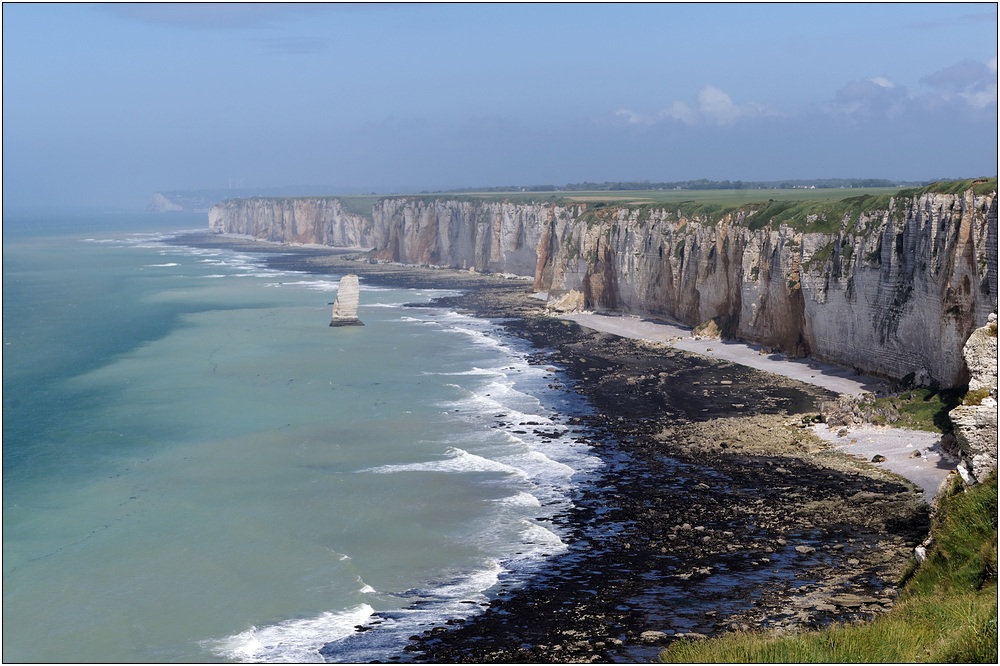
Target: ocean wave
[
  {"x": 473, "y": 371},
  {"x": 521, "y": 499},
  {"x": 535, "y": 533},
  {"x": 466, "y": 586},
  {"x": 457, "y": 461},
  {"x": 291, "y": 641},
  {"x": 365, "y": 587},
  {"x": 311, "y": 285}
]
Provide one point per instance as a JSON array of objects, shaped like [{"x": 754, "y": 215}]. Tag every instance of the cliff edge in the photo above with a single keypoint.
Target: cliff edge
[{"x": 889, "y": 285}]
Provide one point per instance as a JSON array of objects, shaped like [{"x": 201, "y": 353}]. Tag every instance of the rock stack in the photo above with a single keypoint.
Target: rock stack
[{"x": 345, "y": 308}]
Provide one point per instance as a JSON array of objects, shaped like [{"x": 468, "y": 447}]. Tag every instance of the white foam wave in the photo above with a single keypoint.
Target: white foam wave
[
  {"x": 474, "y": 371},
  {"x": 477, "y": 337},
  {"x": 535, "y": 533},
  {"x": 473, "y": 584},
  {"x": 458, "y": 460},
  {"x": 167, "y": 265},
  {"x": 521, "y": 499},
  {"x": 312, "y": 285},
  {"x": 291, "y": 641},
  {"x": 393, "y": 305}
]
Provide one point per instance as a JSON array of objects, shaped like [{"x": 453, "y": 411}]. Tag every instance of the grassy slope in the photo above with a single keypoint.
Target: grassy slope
[{"x": 946, "y": 613}]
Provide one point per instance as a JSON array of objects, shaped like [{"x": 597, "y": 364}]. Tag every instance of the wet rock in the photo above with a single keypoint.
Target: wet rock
[{"x": 851, "y": 600}]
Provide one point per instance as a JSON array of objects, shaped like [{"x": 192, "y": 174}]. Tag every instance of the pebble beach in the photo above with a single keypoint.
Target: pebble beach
[{"x": 720, "y": 507}]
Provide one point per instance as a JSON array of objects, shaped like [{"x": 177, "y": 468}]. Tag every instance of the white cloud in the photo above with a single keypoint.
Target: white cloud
[
  {"x": 874, "y": 97},
  {"x": 682, "y": 112},
  {"x": 968, "y": 88},
  {"x": 981, "y": 99},
  {"x": 714, "y": 107},
  {"x": 717, "y": 105},
  {"x": 973, "y": 82},
  {"x": 631, "y": 117}
]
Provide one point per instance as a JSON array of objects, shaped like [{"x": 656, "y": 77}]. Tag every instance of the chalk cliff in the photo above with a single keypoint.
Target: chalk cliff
[
  {"x": 489, "y": 236},
  {"x": 975, "y": 419},
  {"x": 892, "y": 286},
  {"x": 305, "y": 220}
]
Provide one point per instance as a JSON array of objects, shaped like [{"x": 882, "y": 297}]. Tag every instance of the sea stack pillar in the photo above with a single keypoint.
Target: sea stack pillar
[{"x": 345, "y": 308}]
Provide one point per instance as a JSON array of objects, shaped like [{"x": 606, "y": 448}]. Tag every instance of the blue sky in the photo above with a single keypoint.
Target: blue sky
[{"x": 106, "y": 104}]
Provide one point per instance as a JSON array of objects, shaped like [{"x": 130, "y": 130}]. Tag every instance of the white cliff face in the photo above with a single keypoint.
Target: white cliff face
[
  {"x": 496, "y": 237},
  {"x": 893, "y": 291},
  {"x": 975, "y": 420},
  {"x": 307, "y": 220},
  {"x": 912, "y": 283}
]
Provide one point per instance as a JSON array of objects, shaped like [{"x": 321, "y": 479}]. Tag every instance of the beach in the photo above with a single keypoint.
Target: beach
[
  {"x": 915, "y": 455},
  {"x": 719, "y": 505}
]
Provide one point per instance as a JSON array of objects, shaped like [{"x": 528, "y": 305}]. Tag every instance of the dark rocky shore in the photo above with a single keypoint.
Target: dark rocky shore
[{"x": 717, "y": 509}]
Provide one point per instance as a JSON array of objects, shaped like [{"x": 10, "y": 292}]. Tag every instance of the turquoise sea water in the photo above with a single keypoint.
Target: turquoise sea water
[{"x": 197, "y": 468}]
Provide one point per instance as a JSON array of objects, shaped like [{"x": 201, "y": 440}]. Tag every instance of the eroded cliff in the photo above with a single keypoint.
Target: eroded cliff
[
  {"x": 975, "y": 420},
  {"x": 301, "y": 220},
  {"x": 892, "y": 285}
]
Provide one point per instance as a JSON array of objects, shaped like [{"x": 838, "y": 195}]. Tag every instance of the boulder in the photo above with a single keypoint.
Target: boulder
[
  {"x": 571, "y": 301},
  {"x": 652, "y": 636}
]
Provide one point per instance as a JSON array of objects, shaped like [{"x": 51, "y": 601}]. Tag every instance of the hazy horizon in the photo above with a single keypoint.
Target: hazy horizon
[{"x": 105, "y": 105}]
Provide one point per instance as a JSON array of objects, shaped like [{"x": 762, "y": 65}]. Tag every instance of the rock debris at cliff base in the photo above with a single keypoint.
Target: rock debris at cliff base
[{"x": 717, "y": 510}]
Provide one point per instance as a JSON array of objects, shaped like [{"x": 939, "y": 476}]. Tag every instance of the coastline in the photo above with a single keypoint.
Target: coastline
[
  {"x": 917, "y": 456},
  {"x": 719, "y": 508},
  {"x": 808, "y": 371}
]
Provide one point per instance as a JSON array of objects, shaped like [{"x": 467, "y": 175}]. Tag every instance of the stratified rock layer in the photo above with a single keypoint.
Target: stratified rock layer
[
  {"x": 976, "y": 422},
  {"x": 306, "y": 221},
  {"x": 345, "y": 308},
  {"x": 895, "y": 289}
]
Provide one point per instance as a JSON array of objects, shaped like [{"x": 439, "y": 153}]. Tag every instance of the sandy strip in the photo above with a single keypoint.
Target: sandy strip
[
  {"x": 899, "y": 447},
  {"x": 896, "y": 445},
  {"x": 808, "y": 371}
]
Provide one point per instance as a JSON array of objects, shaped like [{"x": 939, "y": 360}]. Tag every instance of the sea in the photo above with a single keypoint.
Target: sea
[{"x": 197, "y": 468}]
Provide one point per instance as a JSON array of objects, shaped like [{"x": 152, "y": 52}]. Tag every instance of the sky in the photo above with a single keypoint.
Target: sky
[{"x": 106, "y": 104}]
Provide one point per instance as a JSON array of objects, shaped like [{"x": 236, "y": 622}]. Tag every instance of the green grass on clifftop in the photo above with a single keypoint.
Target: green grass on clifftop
[
  {"x": 946, "y": 612},
  {"x": 824, "y": 210}
]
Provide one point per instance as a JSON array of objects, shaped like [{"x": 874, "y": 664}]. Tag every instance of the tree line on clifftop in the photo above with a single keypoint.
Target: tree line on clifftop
[{"x": 701, "y": 184}]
